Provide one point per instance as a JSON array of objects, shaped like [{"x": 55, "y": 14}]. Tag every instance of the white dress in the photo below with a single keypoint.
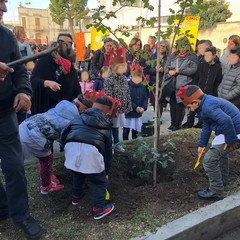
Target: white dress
[{"x": 134, "y": 123}]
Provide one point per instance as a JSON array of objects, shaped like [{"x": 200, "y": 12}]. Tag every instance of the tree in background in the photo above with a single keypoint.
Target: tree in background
[
  {"x": 61, "y": 10},
  {"x": 210, "y": 12}
]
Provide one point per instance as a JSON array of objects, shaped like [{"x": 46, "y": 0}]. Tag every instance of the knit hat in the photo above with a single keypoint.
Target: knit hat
[
  {"x": 194, "y": 96},
  {"x": 117, "y": 56}
]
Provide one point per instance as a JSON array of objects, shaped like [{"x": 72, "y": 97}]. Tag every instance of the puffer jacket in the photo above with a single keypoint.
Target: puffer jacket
[
  {"x": 230, "y": 85},
  {"x": 187, "y": 69},
  {"x": 92, "y": 127},
  {"x": 220, "y": 116}
]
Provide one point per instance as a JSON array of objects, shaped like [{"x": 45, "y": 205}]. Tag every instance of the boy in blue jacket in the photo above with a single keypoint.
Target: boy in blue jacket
[{"x": 223, "y": 117}]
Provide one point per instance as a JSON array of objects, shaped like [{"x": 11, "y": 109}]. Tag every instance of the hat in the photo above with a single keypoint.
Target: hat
[
  {"x": 136, "y": 70},
  {"x": 117, "y": 56},
  {"x": 194, "y": 96}
]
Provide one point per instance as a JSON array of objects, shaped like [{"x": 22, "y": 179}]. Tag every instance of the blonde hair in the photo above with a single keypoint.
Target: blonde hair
[
  {"x": 235, "y": 39},
  {"x": 18, "y": 30},
  {"x": 114, "y": 67}
]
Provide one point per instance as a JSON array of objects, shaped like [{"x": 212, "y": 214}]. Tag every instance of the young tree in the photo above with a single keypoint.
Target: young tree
[
  {"x": 61, "y": 10},
  {"x": 210, "y": 12}
]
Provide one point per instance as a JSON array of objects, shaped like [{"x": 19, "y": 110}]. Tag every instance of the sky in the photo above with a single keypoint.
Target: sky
[{"x": 12, "y": 5}]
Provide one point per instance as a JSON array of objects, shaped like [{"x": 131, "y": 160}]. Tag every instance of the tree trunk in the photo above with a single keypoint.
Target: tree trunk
[{"x": 71, "y": 26}]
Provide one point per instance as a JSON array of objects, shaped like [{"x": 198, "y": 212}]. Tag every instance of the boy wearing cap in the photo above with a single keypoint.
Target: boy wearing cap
[
  {"x": 230, "y": 86},
  {"x": 222, "y": 117},
  {"x": 39, "y": 131}
]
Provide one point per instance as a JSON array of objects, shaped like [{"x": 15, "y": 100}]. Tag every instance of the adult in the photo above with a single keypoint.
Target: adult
[
  {"x": 133, "y": 56},
  {"x": 181, "y": 70},
  {"x": 54, "y": 77},
  {"x": 101, "y": 58},
  {"x": 152, "y": 42},
  {"x": 230, "y": 85},
  {"x": 164, "y": 49},
  {"x": 25, "y": 50},
  {"x": 24, "y": 46},
  {"x": 15, "y": 92},
  {"x": 233, "y": 41}
]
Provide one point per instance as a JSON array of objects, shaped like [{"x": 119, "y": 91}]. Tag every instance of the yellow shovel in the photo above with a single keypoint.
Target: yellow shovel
[
  {"x": 199, "y": 158},
  {"x": 107, "y": 193}
]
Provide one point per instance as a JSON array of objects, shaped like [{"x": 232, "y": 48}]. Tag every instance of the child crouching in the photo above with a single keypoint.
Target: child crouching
[{"x": 88, "y": 153}]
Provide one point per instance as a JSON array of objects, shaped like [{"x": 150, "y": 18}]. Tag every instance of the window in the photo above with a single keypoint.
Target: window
[
  {"x": 24, "y": 23},
  {"x": 37, "y": 23}
]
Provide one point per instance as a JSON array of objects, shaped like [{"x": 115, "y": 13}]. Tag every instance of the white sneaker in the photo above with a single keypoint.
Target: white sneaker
[{"x": 119, "y": 148}]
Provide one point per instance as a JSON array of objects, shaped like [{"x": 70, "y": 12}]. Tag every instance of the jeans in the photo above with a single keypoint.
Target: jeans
[
  {"x": 216, "y": 166},
  {"x": 99, "y": 182},
  {"x": 14, "y": 197},
  {"x": 115, "y": 134}
]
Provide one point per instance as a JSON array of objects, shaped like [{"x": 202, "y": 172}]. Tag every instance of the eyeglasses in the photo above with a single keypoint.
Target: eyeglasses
[{"x": 65, "y": 42}]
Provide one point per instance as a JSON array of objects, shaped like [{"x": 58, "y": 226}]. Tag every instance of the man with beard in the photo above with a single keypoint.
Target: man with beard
[{"x": 54, "y": 77}]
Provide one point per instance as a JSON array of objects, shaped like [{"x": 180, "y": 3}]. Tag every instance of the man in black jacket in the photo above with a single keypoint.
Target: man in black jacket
[{"x": 15, "y": 94}]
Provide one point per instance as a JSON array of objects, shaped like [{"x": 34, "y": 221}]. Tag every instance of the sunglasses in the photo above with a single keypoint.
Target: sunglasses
[{"x": 65, "y": 42}]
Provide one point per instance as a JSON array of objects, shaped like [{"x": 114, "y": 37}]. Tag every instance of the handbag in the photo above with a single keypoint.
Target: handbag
[{"x": 169, "y": 86}]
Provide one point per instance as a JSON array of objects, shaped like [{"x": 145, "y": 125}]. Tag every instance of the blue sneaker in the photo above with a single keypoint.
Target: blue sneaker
[{"x": 99, "y": 213}]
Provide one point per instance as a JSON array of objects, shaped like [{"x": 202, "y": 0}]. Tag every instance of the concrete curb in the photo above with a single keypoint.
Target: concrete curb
[{"x": 206, "y": 223}]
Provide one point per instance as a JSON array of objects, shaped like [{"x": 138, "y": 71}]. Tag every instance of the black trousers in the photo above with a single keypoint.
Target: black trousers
[
  {"x": 177, "y": 111},
  {"x": 126, "y": 133},
  {"x": 13, "y": 197}
]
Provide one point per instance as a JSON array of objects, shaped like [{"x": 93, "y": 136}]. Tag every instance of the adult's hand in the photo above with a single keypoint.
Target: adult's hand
[
  {"x": 4, "y": 70},
  {"x": 53, "y": 85},
  {"x": 22, "y": 102}
]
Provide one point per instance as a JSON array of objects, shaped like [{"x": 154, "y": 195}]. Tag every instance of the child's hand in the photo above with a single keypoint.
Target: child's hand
[
  {"x": 138, "y": 110},
  {"x": 201, "y": 150},
  {"x": 141, "y": 110}
]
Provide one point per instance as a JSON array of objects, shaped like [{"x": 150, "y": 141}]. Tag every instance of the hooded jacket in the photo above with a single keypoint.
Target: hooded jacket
[
  {"x": 16, "y": 82},
  {"x": 209, "y": 77},
  {"x": 93, "y": 127},
  {"x": 220, "y": 116}
]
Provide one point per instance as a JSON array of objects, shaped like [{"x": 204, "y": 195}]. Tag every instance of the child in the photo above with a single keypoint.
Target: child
[
  {"x": 223, "y": 117},
  {"x": 98, "y": 82},
  {"x": 139, "y": 103},
  {"x": 116, "y": 85},
  {"x": 88, "y": 153},
  {"x": 39, "y": 131},
  {"x": 84, "y": 81}
]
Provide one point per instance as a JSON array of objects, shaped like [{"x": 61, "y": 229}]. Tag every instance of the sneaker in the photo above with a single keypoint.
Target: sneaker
[
  {"x": 207, "y": 194},
  {"x": 75, "y": 201},
  {"x": 30, "y": 226},
  {"x": 170, "y": 128},
  {"x": 51, "y": 188},
  {"x": 54, "y": 180},
  {"x": 119, "y": 148},
  {"x": 99, "y": 213}
]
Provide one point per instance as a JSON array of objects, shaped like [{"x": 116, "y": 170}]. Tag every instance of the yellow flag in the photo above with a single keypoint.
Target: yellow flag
[{"x": 97, "y": 38}]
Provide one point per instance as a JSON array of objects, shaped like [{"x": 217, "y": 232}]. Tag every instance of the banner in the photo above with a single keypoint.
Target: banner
[
  {"x": 80, "y": 46},
  {"x": 189, "y": 25},
  {"x": 97, "y": 38}
]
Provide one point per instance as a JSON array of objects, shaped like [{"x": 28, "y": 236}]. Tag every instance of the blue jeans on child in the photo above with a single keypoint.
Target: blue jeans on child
[
  {"x": 99, "y": 182},
  {"x": 115, "y": 134}
]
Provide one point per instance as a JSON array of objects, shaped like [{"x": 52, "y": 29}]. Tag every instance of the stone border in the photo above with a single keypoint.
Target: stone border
[{"x": 205, "y": 223}]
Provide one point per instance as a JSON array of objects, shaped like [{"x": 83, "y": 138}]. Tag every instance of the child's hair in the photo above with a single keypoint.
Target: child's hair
[
  {"x": 191, "y": 89},
  {"x": 103, "y": 69},
  {"x": 88, "y": 103},
  {"x": 212, "y": 49},
  {"x": 104, "y": 101},
  {"x": 80, "y": 74},
  {"x": 114, "y": 68}
]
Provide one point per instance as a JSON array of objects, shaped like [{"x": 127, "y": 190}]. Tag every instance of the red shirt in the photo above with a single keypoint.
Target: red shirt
[{"x": 106, "y": 60}]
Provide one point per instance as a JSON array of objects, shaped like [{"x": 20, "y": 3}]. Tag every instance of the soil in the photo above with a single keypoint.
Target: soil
[{"x": 140, "y": 207}]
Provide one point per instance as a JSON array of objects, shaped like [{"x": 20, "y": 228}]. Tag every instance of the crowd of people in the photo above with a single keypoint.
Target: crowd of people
[{"x": 82, "y": 106}]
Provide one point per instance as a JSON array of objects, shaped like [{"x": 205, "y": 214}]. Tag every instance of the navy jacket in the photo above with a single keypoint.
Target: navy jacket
[
  {"x": 98, "y": 83},
  {"x": 92, "y": 127},
  {"x": 138, "y": 99},
  {"x": 218, "y": 115}
]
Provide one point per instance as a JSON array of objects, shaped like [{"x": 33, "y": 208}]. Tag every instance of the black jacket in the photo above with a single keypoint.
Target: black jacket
[
  {"x": 16, "y": 82},
  {"x": 209, "y": 77},
  {"x": 98, "y": 83},
  {"x": 97, "y": 63},
  {"x": 45, "y": 98},
  {"x": 92, "y": 127},
  {"x": 138, "y": 99}
]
